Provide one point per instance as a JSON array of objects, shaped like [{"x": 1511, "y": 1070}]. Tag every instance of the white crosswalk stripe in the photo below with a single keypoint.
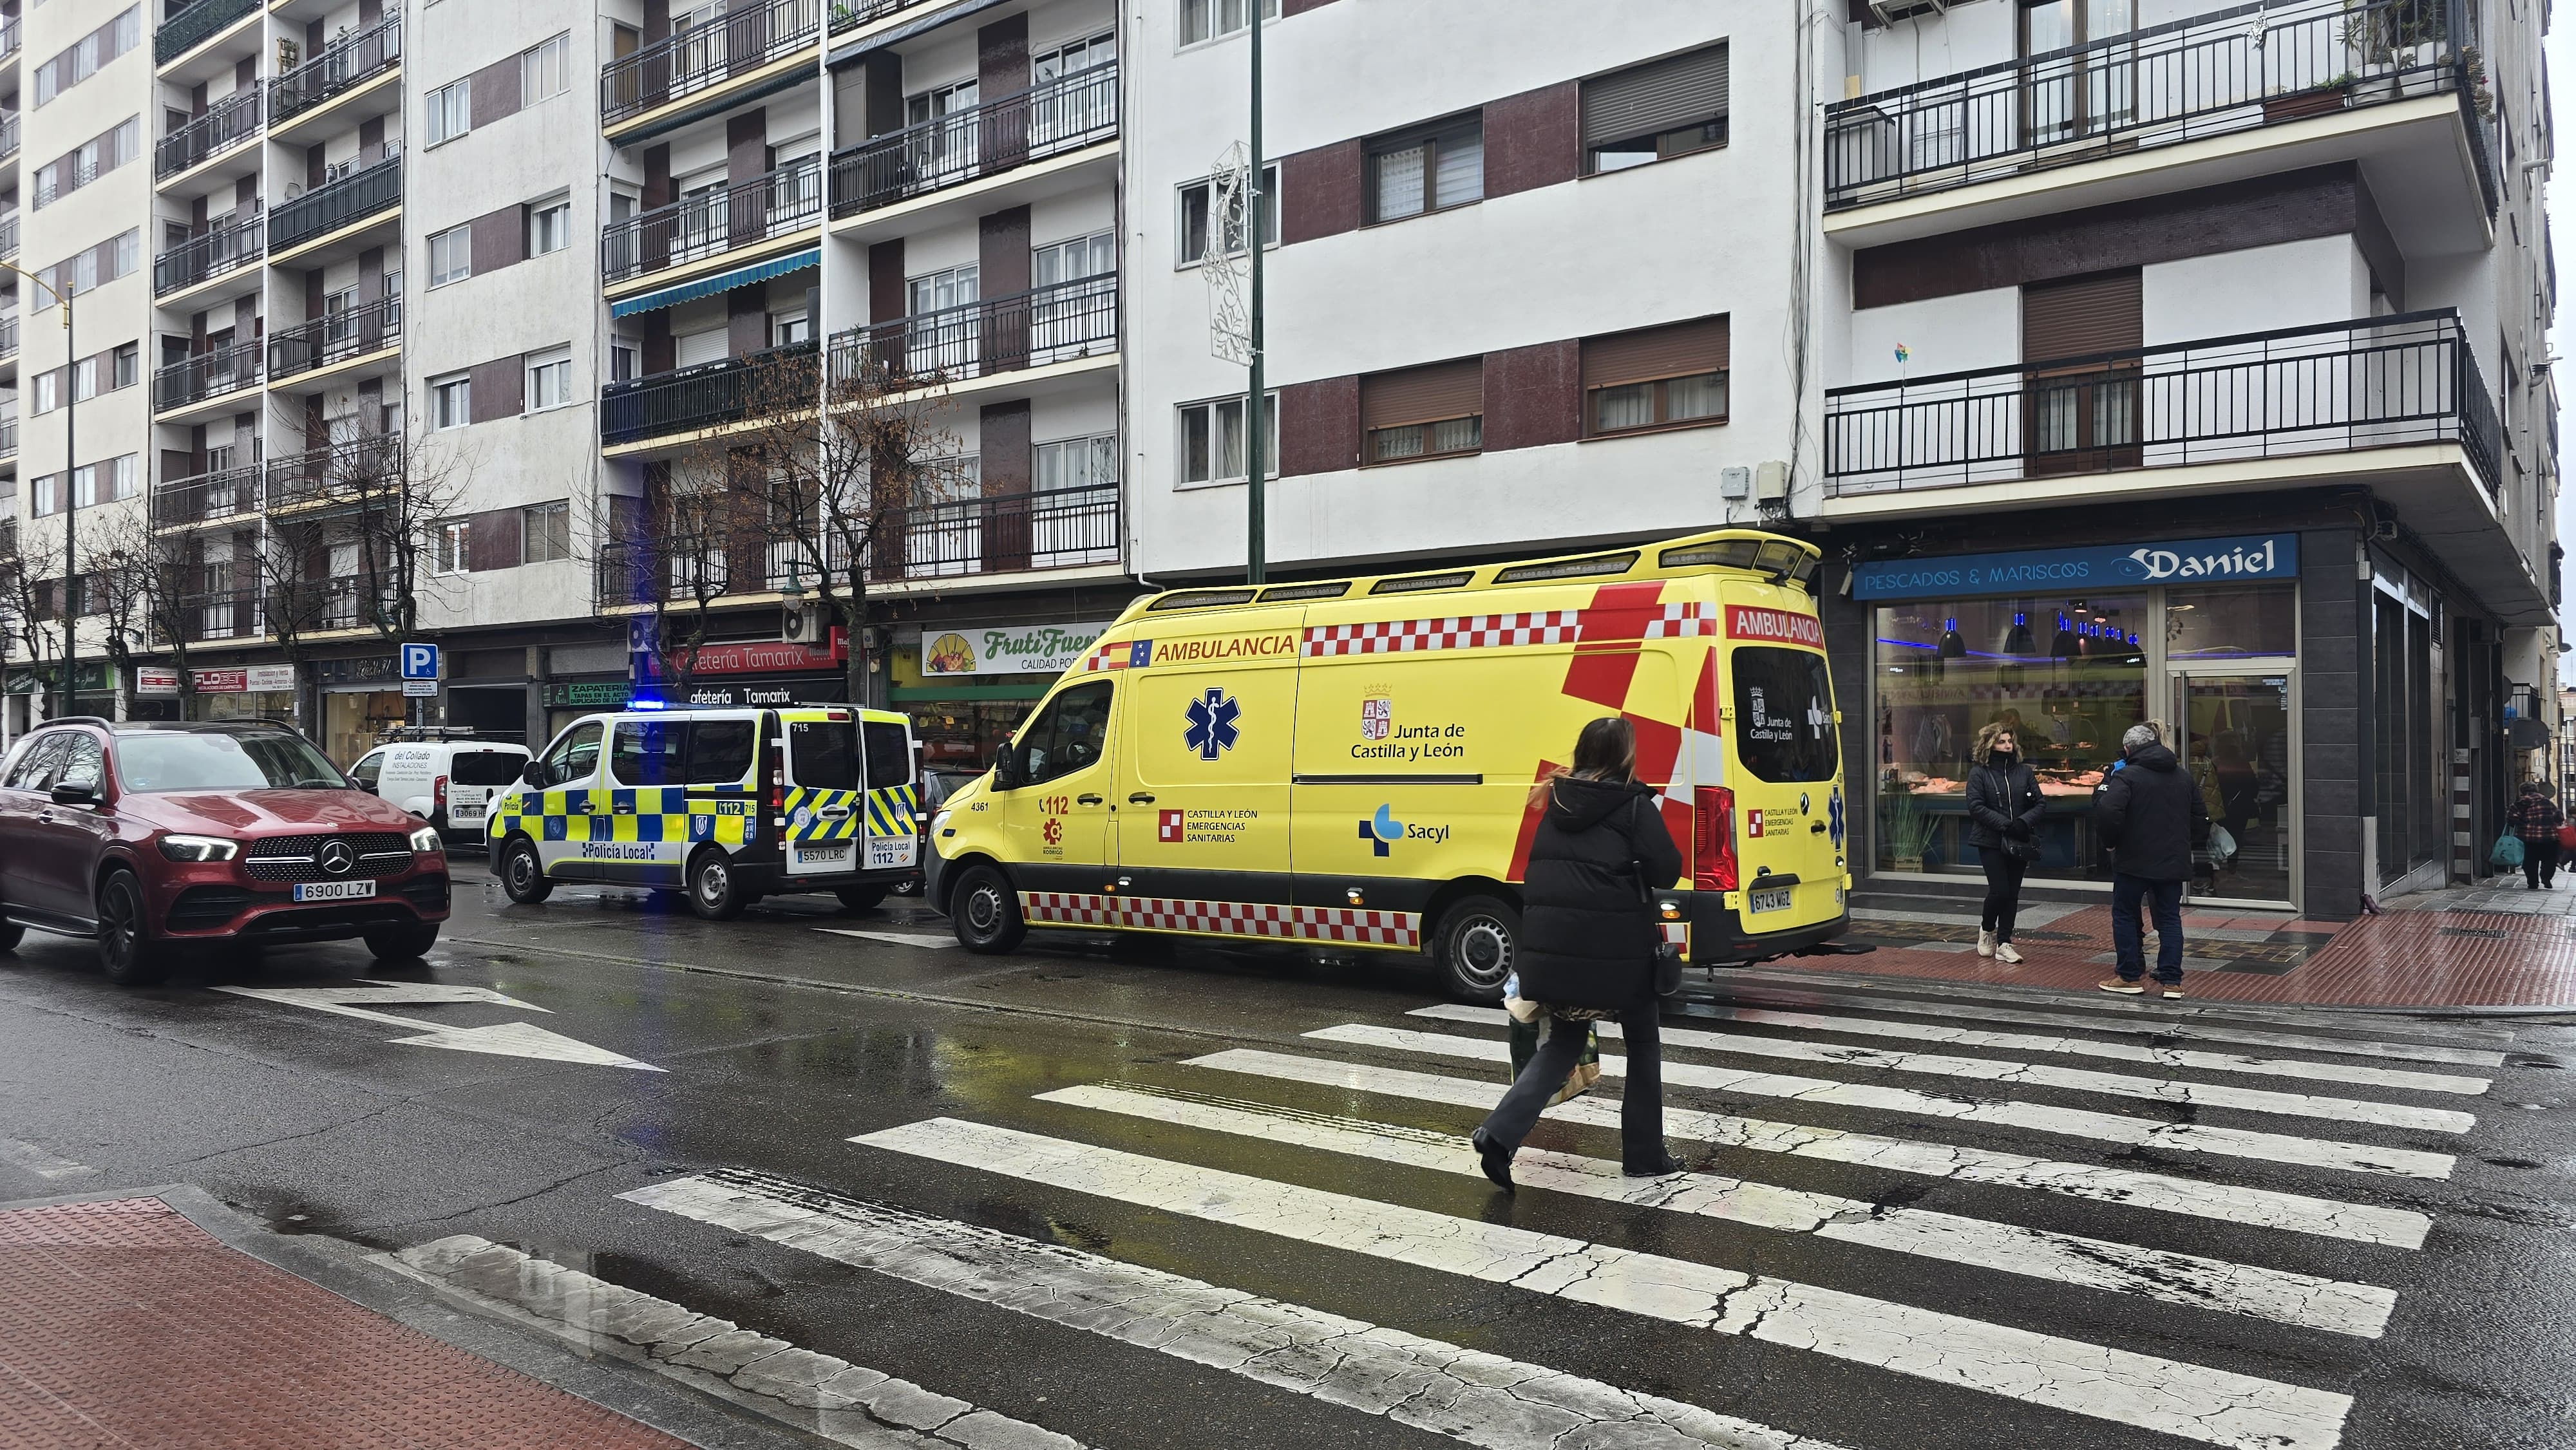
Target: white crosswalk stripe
[
  {"x": 2128, "y": 1010},
  {"x": 2202, "y": 1403},
  {"x": 2380, "y": 1077},
  {"x": 2222, "y": 1202},
  {"x": 2285, "y": 1298},
  {"x": 2034, "y": 1117}
]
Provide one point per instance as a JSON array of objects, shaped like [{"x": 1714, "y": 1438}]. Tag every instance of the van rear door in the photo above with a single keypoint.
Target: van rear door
[
  {"x": 825, "y": 773},
  {"x": 472, "y": 777},
  {"x": 893, "y": 830},
  {"x": 1785, "y": 768}
]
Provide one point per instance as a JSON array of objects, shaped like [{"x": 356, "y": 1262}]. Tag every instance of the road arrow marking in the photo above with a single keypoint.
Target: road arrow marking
[
  {"x": 502, "y": 1039},
  {"x": 898, "y": 938}
]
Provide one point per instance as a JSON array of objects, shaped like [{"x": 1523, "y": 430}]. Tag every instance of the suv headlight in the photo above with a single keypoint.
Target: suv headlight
[
  {"x": 426, "y": 839},
  {"x": 199, "y": 848}
]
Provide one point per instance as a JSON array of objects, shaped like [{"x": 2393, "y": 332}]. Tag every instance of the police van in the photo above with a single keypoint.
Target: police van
[
  {"x": 1348, "y": 762},
  {"x": 726, "y": 806}
]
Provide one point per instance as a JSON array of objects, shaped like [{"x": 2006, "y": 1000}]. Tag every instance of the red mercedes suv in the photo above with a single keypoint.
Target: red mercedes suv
[{"x": 149, "y": 834}]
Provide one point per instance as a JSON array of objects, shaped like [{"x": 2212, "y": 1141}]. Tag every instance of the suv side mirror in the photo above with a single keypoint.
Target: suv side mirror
[{"x": 75, "y": 793}]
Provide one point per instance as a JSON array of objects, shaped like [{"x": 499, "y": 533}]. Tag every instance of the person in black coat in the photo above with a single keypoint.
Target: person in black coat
[
  {"x": 2152, "y": 817},
  {"x": 2003, "y": 824},
  {"x": 1589, "y": 943}
]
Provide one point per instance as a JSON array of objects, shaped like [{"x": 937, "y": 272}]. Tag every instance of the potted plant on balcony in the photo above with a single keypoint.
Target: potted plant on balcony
[
  {"x": 2314, "y": 101},
  {"x": 1909, "y": 830}
]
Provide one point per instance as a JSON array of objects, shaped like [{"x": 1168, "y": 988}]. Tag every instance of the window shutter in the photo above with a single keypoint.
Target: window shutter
[
  {"x": 1658, "y": 96},
  {"x": 1684, "y": 348},
  {"x": 1424, "y": 394},
  {"x": 2081, "y": 317}
]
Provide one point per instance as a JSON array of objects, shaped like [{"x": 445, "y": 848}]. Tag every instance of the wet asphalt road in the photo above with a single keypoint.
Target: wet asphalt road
[{"x": 779, "y": 1039}]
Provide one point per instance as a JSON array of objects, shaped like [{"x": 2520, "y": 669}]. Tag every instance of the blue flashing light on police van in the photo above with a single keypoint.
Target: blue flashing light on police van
[{"x": 641, "y": 703}]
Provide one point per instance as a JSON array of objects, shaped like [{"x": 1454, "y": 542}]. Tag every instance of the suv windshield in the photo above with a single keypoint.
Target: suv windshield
[{"x": 173, "y": 760}]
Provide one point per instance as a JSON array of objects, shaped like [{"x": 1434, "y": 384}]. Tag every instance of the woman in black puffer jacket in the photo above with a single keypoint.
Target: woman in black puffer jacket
[{"x": 1588, "y": 945}]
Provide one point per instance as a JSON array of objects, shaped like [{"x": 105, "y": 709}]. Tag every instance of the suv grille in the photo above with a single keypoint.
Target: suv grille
[{"x": 298, "y": 858}]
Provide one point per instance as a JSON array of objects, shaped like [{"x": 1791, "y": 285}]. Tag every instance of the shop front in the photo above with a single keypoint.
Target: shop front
[
  {"x": 362, "y": 699},
  {"x": 242, "y": 692},
  {"x": 968, "y": 686},
  {"x": 34, "y": 693}
]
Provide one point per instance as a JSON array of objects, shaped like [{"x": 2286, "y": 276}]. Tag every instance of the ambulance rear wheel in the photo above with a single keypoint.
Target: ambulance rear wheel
[
  {"x": 1478, "y": 945},
  {"x": 986, "y": 912},
  {"x": 715, "y": 893},
  {"x": 861, "y": 898},
  {"x": 522, "y": 876}
]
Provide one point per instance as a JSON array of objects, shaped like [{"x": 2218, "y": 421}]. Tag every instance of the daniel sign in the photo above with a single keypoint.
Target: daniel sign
[
  {"x": 1005, "y": 649},
  {"x": 2059, "y": 571}
]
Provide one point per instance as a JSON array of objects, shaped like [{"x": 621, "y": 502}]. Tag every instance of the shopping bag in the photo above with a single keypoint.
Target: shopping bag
[
  {"x": 2507, "y": 852},
  {"x": 1587, "y": 1068},
  {"x": 2222, "y": 846},
  {"x": 2567, "y": 837}
]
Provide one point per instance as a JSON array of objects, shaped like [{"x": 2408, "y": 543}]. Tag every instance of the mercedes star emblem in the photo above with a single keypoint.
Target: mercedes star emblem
[{"x": 337, "y": 858}]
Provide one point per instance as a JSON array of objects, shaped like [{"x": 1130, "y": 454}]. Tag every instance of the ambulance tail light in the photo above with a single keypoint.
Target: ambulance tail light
[{"x": 1713, "y": 838}]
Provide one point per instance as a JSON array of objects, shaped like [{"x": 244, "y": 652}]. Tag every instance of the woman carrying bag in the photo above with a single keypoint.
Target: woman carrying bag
[
  {"x": 2003, "y": 816},
  {"x": 1590, "y": 946}
]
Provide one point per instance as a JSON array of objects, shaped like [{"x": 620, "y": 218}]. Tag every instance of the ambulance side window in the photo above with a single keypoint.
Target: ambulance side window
[
  {"x": 720, "y": 752},
  {"x": 648, "y": 752},
  {"x": 573, "y": 757},
  {"x": 1070, "y": 735},
  {"x": 889, "y": 755}
]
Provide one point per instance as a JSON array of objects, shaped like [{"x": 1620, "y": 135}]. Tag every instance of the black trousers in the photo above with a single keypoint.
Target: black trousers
[
  {"x": 2540, "y": 862},
  {"x": 2004, "y": 871},
  {"x": 1641, "y": 1098}
]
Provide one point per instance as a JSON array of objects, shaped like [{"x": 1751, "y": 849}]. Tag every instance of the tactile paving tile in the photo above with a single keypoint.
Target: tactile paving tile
[{"x": 123, "y": 1324}]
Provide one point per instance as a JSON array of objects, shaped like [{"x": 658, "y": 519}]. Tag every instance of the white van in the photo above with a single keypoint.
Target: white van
[{"x": 447, "y": 783}]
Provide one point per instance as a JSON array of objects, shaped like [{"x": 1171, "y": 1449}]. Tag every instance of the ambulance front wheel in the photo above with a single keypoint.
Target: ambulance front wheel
[
  {"x": 986, "y": 912},
  {"x": 715, "y": 892},
  {"x": 1477, "y": 947},
  {"x": 523, "y": 877}
]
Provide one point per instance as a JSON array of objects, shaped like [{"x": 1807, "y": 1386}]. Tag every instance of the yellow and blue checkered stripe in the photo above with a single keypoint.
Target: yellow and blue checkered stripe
[{"x": 725, "y": 814}]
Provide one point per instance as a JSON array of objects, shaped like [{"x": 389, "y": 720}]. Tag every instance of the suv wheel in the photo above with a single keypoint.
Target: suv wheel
[
  {"x": 402, "y": 943},
  {"x": 986, "y": 912},
  {"x": 523, "y": 877},
  {"x": 714, "y": 891},
  {"x": 1477, "y": 947},
  {"x": 125, "y": 953},
  {"x": 861, "y": 898}
]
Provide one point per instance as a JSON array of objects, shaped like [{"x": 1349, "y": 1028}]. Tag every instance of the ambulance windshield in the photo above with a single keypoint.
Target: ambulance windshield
[{"x": 1784, "y": 714}]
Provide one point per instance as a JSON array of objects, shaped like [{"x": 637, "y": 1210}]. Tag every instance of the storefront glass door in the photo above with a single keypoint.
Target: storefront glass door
[{"x": 2237, "y": 745}]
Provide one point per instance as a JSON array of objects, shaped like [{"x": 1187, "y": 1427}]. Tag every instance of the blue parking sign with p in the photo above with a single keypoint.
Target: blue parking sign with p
[{"x": 420, "y": 662}]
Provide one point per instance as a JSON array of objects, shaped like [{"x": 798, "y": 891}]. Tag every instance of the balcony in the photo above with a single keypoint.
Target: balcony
[
  {"x": 226, "y": 124},
  {"x": 220, "y": 614},
  {"x": 343, "y": 66},
  {"x": 8, "y": 134},
  {"x": 714, "y": 222},
  {"x": 2118, "y": 101},
  {"x": 228, "y": 493},
  {"x": 9, "y": 235},
  {"x": 705, "y": 57},
  {"x": 206, "y": 376},
  {"x": 9, "y": 38},
  {"x": 1061, "y": 115},
  {"x": 370, "y": 463},
  {"x": 335, "y": 338},
  {"x": 341, "y": 203},
  {"x": 8, "y": 335},
  {"x": 228, "y": 243},
  {"x": 9, "y": 436},
  {"x": 189, "y": 26},
  {"x": 1062, "y": 323},
  {"x": 851, "y": 14},
  {"x": 709, "y": 395}
]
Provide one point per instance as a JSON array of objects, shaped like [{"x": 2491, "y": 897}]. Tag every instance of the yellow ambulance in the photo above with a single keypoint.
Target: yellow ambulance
[{"x": 1347, "y": 763}]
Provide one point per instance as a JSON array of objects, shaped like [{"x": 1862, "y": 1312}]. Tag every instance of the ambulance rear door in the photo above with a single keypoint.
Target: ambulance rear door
[{"x": 1784, "y": 760}]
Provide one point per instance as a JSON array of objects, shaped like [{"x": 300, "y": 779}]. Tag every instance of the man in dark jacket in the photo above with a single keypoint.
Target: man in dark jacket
[{"x": 2152, "y": 817}]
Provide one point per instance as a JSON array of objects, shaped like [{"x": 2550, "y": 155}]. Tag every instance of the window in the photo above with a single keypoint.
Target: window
[
  {"x": 625, "y": 360},
  {"x": 47, "y": 395},
  {"x": 1199, "y": 197},
  {"x": 125, "y": 366},
  {"x": 82, "y": 60},
  {"x": 649, "y": 752},
  {"x": 1655, "y": 111},
  {"x": 1082, "y": 462},
  {"x": 545, "y": 70},
  {"x": 1656, "y": 377},
  {"x": 85, "y": 163},
  {"x": 1072, "y": 260},
  {"x": 45, "y": 494},
  {"x": 1426, "y": 412},
  {"x": 889, "y": 750},
  {"x": 824, "y": 754},
  {"x": 786, "y": 329},
  {"x": 451, "y": 401},
  {"x": 720, "y": 751},
  {"x": 453, "y": 544},
  {"x": 547, "y": 531},
  {"x": 549, "y": 227},
  {"x": 367, "y": 770},
  {"x": 1427, "y": 170},
  {"x": 1212, "y": 441},
  {"x": 549, "y": 380},
  {"x": 1784, "y": 714},
  {"x": 573, "y": 757},
  {"x": 955, "y": 287},
  {"x": 1069, "y": 734},
  {"x": 451, "y": 256},
  {"x": 116, "y": 476},
  {"x": 1210, "y": 19},
  {"x": 449, "y": 111}
]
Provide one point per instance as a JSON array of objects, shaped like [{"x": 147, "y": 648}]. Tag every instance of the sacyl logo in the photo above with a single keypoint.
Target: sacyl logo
[{"x": 2226, "y": 563}]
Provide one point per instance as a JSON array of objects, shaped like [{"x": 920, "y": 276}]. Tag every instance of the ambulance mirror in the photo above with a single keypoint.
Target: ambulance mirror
[{"x": 1010, "y": 768}]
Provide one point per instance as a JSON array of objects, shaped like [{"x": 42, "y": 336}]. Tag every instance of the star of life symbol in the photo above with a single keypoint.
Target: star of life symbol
[
  {"x": 1224, "y": 268},
  {"x": 1377, "y": 718},
  {"x": 1212, "y": 728}
]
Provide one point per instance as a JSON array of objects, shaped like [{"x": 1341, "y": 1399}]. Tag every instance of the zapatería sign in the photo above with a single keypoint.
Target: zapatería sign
[{"x": 1780, "y": 625}]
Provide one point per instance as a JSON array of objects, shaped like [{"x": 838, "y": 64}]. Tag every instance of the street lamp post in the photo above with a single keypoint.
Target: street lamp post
[
  {"x": 71, "y": 555},
  {"x": 1257, "y": 544}
]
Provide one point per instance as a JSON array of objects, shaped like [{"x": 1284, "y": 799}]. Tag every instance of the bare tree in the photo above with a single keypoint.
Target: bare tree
[
  {"x": 155, "y": 589},
  {"x": 669, "y": 557},
  {"x": 28, "y": 607},
  {"x": 116, "y": 560},
  {"x": 380, "y": 500}
]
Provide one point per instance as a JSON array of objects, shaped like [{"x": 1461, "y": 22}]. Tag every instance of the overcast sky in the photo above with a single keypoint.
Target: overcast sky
[{"x": 2560, "y": 50}]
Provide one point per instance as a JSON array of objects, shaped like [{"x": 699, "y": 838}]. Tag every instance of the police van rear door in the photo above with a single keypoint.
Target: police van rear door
[
  {"x": 893, "y": 801},
  {"x": 825, "y": 780}
]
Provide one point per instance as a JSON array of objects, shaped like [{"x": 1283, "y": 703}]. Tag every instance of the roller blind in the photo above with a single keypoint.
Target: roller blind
[
  {"x": 2080, "y": 317},
  {"x": 1423, "y": 394},
  {"x": 1658, "y": 96},
  {"x": 1679, "y": 350}
]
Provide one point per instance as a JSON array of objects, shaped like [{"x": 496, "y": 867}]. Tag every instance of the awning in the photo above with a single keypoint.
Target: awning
[{"x": 691, "y": 291}]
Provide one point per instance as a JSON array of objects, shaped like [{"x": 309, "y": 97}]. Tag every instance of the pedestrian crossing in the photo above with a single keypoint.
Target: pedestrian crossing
[{"x": 2163, "y": 1236}]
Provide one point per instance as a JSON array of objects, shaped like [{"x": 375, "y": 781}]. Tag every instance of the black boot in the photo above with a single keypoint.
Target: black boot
[
  {"x": 1497, "y": 1160},
  {"x": 1670, "y": 1164}
]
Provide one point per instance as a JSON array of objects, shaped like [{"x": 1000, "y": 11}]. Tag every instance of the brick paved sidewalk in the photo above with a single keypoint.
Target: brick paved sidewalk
[
  {"x": 2476, "y": 947},
  {"x": 124, "y": 1324}
]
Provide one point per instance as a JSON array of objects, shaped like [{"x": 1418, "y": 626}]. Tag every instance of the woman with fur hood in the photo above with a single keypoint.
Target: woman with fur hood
[{"x": 2003, "y": 824}]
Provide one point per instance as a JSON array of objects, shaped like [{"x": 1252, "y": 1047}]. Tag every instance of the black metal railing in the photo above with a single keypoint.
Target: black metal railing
[
  {"x": 8, "y": 134},
  {"x": 335, "y": 337},
  {"x": 848, "y": 13},
  {"x": 713, "y": 222},
  {"x": 1043, "y": 325},
  {"x": 207, "y": 375},
  {"x": 368, "y": 465},
  {"x": 221, "y": 614},
  {"x": 708, "y": 395},
  {"x": 1064, "y": 114},
  {"x": 9, "y": 235},
  {"x": 228, "y": 493},
  {"x": 343, "y": 65},
  {"x": 185, "y": 26},
  {"x": 736, "y": 43},
  {"x": 8, "y": 334},
  {"x": 2243, "y": 67},
  {"x": 226, "y": 124},
  {"x": 328, "y": 208},
  {"x": 2372, "y": 383},
  {"x": 9, "y": 436},
  {"x": 228, "y": 242},
  {"x": 9, "y": 37}
]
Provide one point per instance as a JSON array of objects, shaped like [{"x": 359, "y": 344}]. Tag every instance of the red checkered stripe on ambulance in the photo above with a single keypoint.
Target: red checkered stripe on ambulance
[{"x": 1225, "y": 918}]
